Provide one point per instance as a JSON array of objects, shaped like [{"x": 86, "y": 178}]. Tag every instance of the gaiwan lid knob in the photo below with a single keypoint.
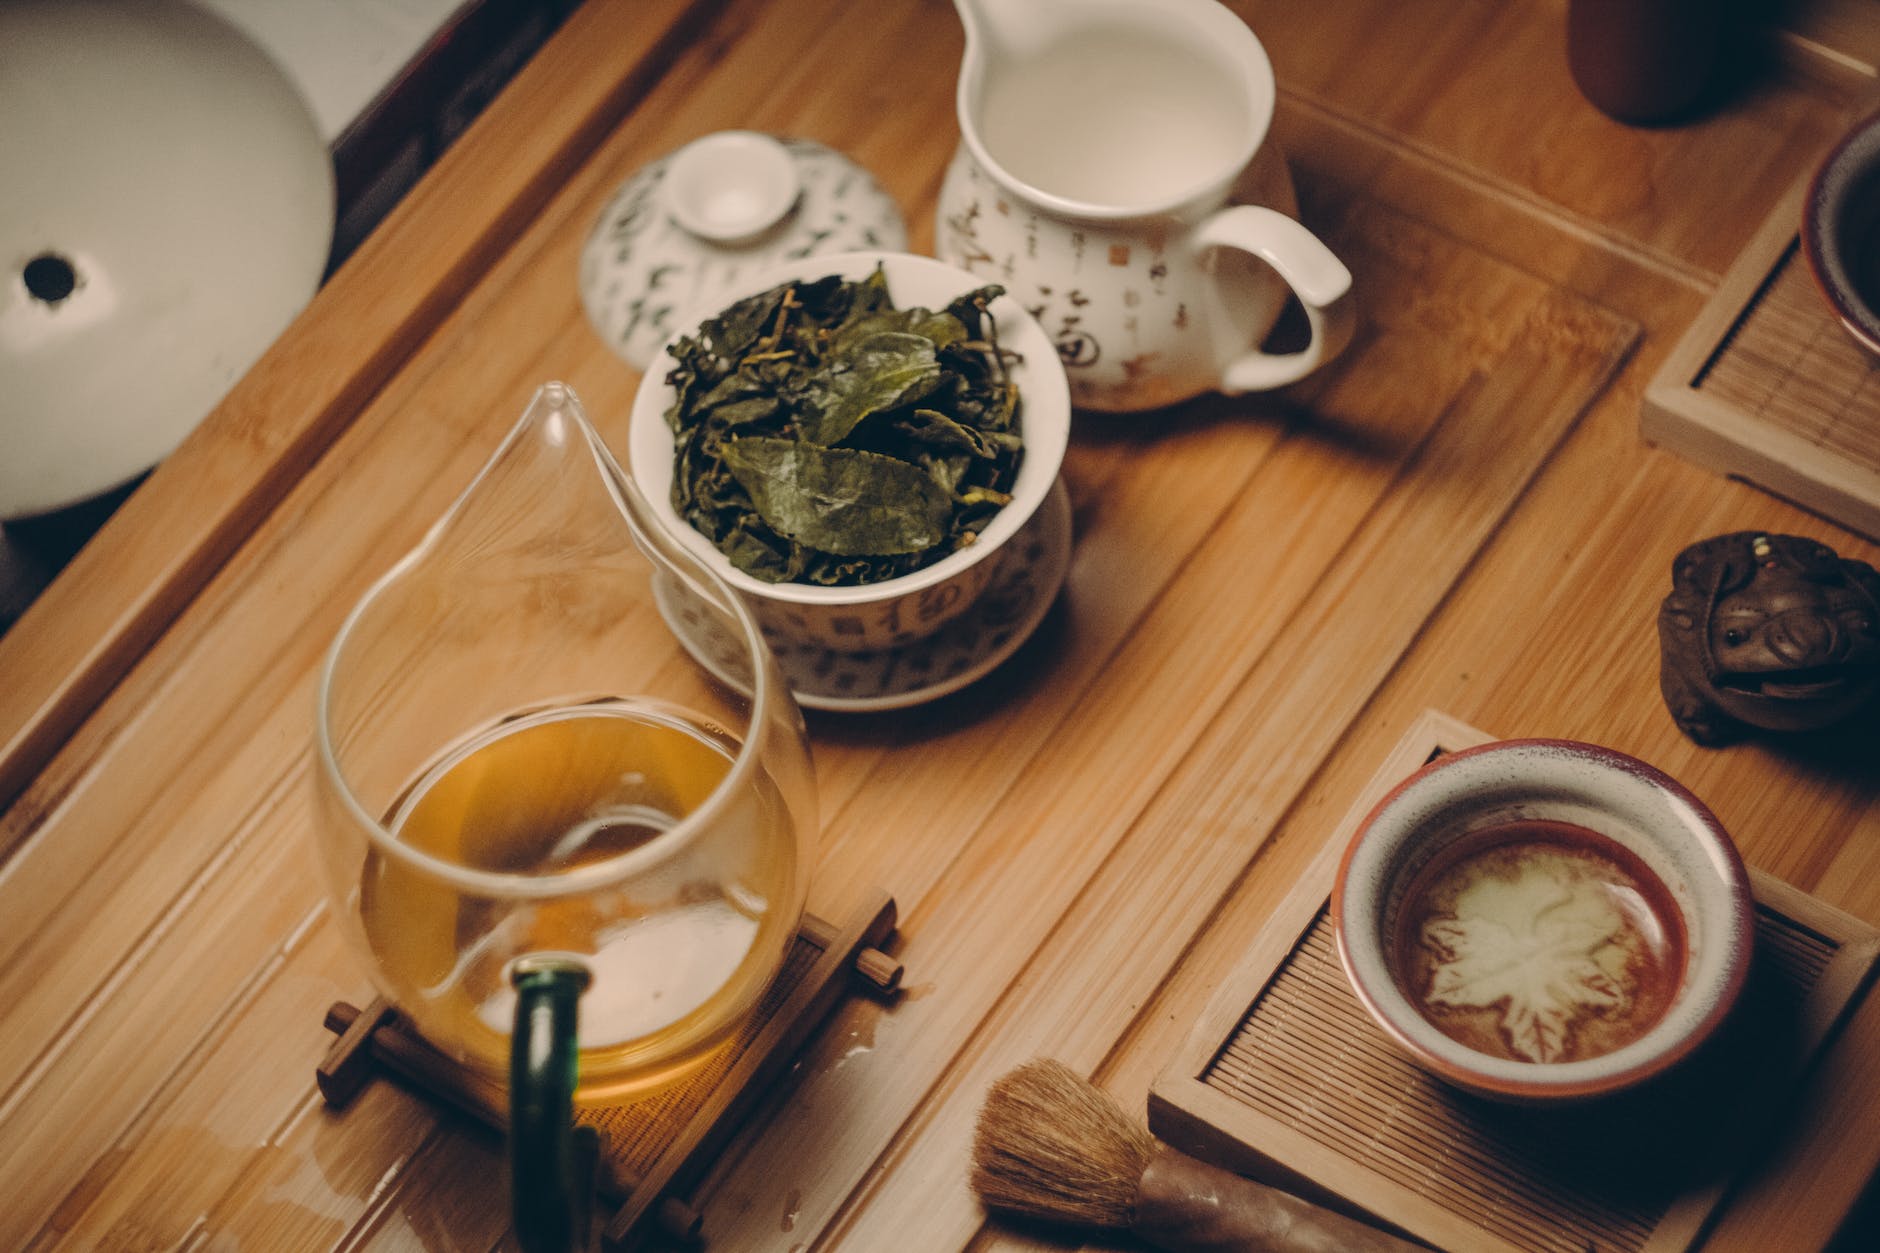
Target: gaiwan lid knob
[
  {"x": 688, "y": 226},
  {"x": 730, "y": 186}
]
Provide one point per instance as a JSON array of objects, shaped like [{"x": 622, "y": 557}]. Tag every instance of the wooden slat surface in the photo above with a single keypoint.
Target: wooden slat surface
[
  {"x": 1264, "y": 592},
  {"x": 1307, "y": 1060}
]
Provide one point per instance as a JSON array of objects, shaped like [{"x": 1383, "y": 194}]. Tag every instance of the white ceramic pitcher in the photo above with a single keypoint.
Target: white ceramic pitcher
[{"x": 1114, "y": 174}]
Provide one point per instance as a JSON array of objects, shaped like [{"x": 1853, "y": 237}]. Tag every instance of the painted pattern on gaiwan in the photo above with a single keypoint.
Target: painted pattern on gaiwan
[
  {"x": 1024, "y": 583},
  {"x": 641, "y": 272}
]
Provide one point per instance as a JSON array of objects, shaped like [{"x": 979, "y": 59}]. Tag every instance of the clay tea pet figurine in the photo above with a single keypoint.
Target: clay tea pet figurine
[{"x": 1773, "y": 632}]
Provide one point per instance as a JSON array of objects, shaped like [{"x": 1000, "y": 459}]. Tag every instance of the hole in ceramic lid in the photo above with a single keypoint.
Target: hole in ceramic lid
[
  {"x": 49, "y": 278},
  {"x": 731, "y": 186}
]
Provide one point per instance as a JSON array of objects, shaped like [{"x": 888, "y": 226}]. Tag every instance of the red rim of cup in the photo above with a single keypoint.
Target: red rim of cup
[
  {"x": 1742, "y": 924},
  {"x": 1828, "y": 193}
]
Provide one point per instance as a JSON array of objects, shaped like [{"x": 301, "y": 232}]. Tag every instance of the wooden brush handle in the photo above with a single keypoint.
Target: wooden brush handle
[{"x": 1188, "y": 1206}]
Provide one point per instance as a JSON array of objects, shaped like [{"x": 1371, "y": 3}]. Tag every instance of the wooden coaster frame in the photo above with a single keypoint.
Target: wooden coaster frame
[
  {"x": 652, "y": 1152},
  {"x": 1396, "y": 1147},
  {"x": 1767, "y": 386}
]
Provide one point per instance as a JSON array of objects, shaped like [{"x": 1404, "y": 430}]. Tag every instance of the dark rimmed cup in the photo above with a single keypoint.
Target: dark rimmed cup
[
  {"x": 1841, "y": 231},
  {"x": 1543, "y": 920}
]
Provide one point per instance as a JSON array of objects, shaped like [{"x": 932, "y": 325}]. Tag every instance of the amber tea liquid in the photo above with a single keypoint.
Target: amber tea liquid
[{"x": 678, "y": 954}]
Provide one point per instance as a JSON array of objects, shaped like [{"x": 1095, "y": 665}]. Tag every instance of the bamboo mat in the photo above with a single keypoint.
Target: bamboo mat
[
  {"x": 1287, "y": 1078},
  {"x": 1767, "y": 386},
  {"x": 1307, "y": 1056},
  {"x": 1790, "y": 364}
]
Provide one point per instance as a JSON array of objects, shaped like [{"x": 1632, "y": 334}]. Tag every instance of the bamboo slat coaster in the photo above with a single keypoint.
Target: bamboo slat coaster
[
  {"x": 652, "y": 1151},
  {"x": 1767, "y": 386},
  {"x": 1288, "y": 1080}
]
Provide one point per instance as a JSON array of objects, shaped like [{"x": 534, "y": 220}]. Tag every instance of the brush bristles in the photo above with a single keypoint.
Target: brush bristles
[{"x": 1051, "y": 1145}]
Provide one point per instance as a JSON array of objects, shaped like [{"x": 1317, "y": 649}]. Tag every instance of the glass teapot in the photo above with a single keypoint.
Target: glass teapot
[{"x": 535, "y": 810}]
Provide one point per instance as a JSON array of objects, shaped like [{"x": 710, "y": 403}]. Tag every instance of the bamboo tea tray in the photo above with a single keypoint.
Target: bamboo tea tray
[
  {"x": 651, "y": 1151},
  {"x": 1286, "y": 1079},
  {"x": 1768, "y": 387}
]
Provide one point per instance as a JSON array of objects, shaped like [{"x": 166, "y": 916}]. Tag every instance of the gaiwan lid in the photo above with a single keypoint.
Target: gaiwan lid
[
  {"x": 688, "y": 226},
  {"x": 168, "y": 209}
]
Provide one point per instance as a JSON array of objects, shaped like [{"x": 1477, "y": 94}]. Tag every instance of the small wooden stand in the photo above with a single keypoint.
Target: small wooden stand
[
  {"x": 651, "y": 1151},
  {"x": 1285, "y": 1078},
  {"x": 1767, "y": 386}
]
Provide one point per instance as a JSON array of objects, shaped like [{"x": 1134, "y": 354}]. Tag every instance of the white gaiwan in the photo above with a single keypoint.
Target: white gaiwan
[{"x": 894, "y": 612}]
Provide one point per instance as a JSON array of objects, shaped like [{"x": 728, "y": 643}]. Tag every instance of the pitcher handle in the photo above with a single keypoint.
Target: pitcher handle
[
  {"x": 552, "y": 1185},
  {"x": 1318, "y": 278}
]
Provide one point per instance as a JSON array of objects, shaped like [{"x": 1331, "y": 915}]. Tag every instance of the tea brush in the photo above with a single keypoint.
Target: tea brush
[{"x": 1050, "y": 1145}]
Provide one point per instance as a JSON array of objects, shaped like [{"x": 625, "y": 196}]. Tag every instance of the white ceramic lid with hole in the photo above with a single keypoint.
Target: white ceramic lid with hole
[
  {"x": 689, "y": 226},
  {"x": 168, "y": 208}
]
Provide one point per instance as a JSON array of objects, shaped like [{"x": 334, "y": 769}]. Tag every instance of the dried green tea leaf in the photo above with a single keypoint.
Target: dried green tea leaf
[
  {"x": 758, "y": 554},
  {"x": 942, "y": 330},
  {"x": 929, "y": 428},
  {"x": 902, "y": 426},
  {"x": 746, "y": 411},
  {"x": 883, "y": 371},
  {"x": 840, "y": 500}
]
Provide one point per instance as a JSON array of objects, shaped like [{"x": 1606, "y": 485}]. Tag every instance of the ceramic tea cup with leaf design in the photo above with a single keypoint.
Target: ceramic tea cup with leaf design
[
  {"x": 776, "y": 472},
  {"x": 1543, "y": 920}
]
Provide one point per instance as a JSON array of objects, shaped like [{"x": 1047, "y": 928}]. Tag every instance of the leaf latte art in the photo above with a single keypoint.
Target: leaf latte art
[{"x": 1540, "y": 942}]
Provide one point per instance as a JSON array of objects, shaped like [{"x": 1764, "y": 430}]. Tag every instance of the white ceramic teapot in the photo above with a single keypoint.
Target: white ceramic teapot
[{"x": 1114, "y": 174}]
